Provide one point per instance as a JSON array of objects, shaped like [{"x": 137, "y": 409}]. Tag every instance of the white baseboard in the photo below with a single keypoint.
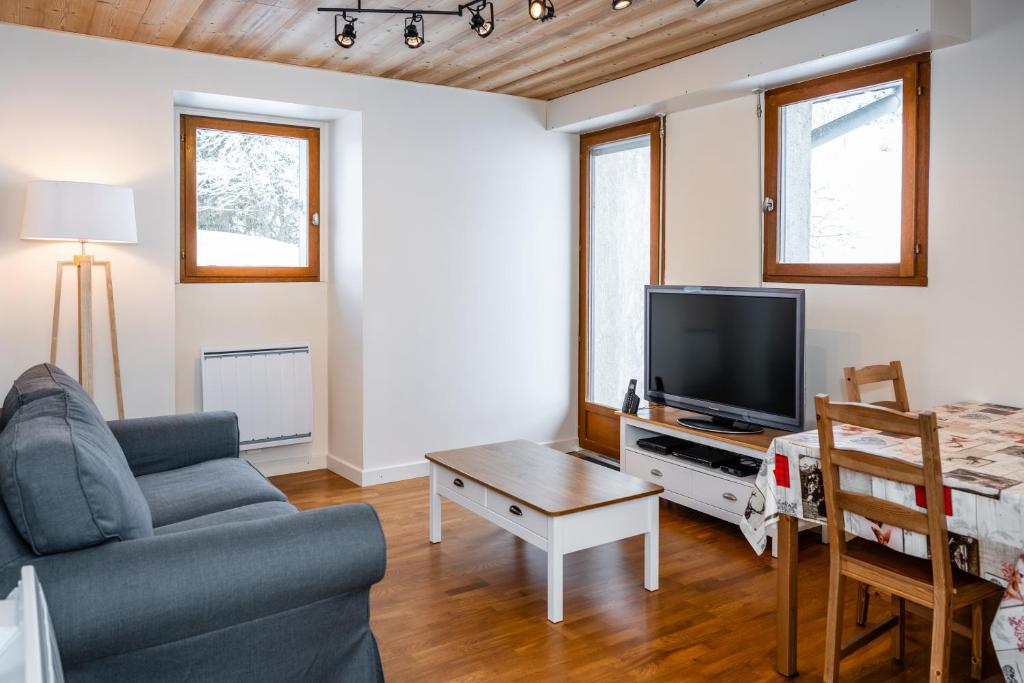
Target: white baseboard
[
  {"x": 377, "y": 475},
  {"x": 271, "y": 466},
  {"x": 409, "y": 470}
]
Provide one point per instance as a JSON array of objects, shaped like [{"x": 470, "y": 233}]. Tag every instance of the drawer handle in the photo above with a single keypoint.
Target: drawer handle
[
  {"x": 515, "y": 510},
  {"x": 458, "y": 482},
  {"x": 729, "y": 496},
  {"x": 657, "y": 473}
]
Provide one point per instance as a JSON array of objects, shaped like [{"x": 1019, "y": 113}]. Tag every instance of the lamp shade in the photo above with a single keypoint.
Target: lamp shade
[{"x": 80, "y": 212}]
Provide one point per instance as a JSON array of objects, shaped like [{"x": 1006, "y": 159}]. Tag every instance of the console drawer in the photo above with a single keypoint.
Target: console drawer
[
  {"x": 518, "y": 513},
  {"x": 673, "y": 477},
  {"x": 460, "y": 485},
  {"x": 724, "y": 494}
]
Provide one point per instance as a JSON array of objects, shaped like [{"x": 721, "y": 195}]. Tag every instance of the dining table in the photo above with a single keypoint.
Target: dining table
[{"x": 982, "y": 451}]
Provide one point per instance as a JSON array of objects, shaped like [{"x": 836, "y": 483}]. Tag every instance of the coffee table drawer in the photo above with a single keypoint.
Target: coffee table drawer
[
  {"x": 516, "y": 512},
  {"x": 460, "y": 485}
]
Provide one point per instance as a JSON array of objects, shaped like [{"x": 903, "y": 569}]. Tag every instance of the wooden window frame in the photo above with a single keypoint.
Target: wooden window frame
[
  {"x": 912, "y": 270},
  {"x": 190, "y": 270},
  {"x": 604, "y": 438}
]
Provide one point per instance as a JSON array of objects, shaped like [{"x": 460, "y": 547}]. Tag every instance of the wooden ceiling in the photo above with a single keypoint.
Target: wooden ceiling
[{"x": 585, "y": 45}]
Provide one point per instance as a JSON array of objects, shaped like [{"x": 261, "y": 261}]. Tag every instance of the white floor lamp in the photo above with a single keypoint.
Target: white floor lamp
[{"x": 82, "y": 212}]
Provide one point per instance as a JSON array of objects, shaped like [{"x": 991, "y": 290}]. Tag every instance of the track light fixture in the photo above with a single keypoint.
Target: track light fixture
[
  {"x": 543, "y": 10},
  {"x": 481, "y": 19},
  {"x": 698, "y": 3},
  {"x": 415, "y": 37},
  {"x": 621, "y": 4},
  {"x": 483, "y": 26},
  {"x": 346, "y": 37}
]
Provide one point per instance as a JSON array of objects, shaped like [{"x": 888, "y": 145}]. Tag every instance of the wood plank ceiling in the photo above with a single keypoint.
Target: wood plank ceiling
[{"x": 586, "y": 44}]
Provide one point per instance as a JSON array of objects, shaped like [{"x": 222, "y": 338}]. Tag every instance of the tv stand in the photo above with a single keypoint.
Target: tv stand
[
  {"x": 687, "y": 483},
  {"x": 719, "y": 425}
]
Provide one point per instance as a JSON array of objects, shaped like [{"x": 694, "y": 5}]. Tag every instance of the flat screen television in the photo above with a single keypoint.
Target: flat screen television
[{"x": 733, "y": 354}]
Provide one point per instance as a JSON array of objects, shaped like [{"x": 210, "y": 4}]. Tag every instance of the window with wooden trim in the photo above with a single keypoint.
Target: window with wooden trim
[
  {"x": 250, "y": 201},
  {"x": 620, "y": 253},
  {"x": 846, "y": 177}
]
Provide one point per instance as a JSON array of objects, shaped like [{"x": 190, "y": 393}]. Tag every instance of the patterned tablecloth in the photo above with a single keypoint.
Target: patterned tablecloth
[{"x": 982, "y": 446}]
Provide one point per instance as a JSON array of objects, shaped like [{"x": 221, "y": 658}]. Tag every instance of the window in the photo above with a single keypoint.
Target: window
[
  {"x": 620, "y": 252},
  {"x": 250, "y": 201},
  {"x": 846, "y": 177}
]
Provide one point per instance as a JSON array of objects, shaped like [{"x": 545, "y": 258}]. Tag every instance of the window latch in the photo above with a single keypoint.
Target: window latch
[
  {"x": 315, "y": 220},
  {"x": 769, "y": 205}
]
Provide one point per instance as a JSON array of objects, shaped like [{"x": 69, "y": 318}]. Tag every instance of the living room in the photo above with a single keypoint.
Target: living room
[{"x": 463, "y": 299}]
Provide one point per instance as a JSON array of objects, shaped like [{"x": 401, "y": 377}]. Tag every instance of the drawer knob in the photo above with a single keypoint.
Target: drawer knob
[
  {"x": 729, "y": 496},
  {"x": 657, "y": 473},
  {"x": 515, "y": 510},
  {"x": 458, "y": 482}
]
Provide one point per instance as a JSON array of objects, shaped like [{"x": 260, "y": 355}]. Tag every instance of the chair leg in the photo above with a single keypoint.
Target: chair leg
[
  {"x": 862, "y": 604},
  {"x": 942, "y": 633},
  {"x": 977, "y": 637},
  {"x": 899, "y": 634},
  {"x": 834, "y": 626}
]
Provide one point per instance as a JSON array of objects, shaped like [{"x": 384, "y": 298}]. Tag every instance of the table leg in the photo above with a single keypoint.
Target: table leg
[
  {"x": 651, "y": 545},
  {"x": 554, "y": 569},
  {"x": 785, "y": 609},
  {"x": 435, "y": 507}
]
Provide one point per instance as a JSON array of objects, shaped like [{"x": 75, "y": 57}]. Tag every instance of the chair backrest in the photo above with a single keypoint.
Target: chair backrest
[
  {"x": 855, "y": 378},
  {"x": 931, "y": 523}
]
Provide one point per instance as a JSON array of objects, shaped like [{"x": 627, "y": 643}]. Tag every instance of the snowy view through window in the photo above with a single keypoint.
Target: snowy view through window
[
  {"x": 620, "y": 264},
  {"x": 251, "y": 199},
  {"x": 842, "y": 177}
]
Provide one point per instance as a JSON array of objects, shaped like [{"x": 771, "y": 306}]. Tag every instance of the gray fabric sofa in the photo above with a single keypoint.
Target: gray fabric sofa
[{"x": 166, "y": 557}]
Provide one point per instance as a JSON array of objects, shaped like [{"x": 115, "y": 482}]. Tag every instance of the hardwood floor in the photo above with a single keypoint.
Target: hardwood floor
[{"x": 473, "y": 607}]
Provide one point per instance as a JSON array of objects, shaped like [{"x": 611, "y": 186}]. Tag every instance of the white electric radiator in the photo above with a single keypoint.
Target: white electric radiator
[{"x": 269, "y": 388}]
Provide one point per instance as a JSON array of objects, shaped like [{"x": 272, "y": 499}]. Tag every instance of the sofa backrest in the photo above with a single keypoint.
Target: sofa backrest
[{"x": 64, "y": 479}]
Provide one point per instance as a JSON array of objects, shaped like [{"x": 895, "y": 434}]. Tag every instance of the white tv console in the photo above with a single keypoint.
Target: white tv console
[{"x": 695, "y": 486}]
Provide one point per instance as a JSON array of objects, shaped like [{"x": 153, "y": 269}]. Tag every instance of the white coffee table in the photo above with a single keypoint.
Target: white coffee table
[{"x": 552, "y": 500}]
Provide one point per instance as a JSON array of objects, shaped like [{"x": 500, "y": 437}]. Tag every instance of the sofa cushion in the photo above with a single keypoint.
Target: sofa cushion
[
  {"x": 246, "y": 513},
  {"x": 204, "y": 488},
  {"x": 36, "y": 382},
  {"x": 64, "y": 478}
]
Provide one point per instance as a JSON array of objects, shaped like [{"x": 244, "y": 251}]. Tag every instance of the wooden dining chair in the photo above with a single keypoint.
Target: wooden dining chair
[
  {"x": 855, "y": 378},
  {"x": 930, "y": 583}
]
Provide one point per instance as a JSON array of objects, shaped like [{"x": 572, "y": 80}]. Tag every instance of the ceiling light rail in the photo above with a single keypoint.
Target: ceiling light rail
[{"x": 481, "y": 20}]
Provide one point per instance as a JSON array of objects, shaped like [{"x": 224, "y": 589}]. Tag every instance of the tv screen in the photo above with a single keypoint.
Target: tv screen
[{"x": 734, "y": 354}]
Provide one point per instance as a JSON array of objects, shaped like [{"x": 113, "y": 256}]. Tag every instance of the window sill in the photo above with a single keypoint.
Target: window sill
[
  {"x": 197, "y": 279},
  {"x": 915, "y": 281}
]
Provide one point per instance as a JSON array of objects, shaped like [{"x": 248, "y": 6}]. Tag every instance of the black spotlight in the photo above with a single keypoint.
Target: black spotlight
[
  {"x": 483, "y": 26},
  {"x": 621, "y": 4},
  {"x": 414, "y": 37},
  {"x": 543, "y": 10},
  {"x": 347, "y": 36},
  {"x": 698, "y": 3}
]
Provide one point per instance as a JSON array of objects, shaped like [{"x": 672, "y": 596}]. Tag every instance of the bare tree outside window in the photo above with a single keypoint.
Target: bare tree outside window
[{"x": 251, "y": 193}]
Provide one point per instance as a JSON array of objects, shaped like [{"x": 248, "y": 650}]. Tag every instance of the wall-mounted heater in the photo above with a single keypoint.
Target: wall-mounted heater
[{"x": 270, "y": 388}]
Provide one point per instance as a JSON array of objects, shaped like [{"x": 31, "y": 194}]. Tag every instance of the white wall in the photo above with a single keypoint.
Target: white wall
[
  {"x": 959, "y": 337},
  {"x": 468, "y": 233}
]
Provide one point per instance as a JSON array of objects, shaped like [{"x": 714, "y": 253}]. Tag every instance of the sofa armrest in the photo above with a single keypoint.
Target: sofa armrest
[
  {"x": 125, "y": 596},
  {"x": 156, "y": 444}
]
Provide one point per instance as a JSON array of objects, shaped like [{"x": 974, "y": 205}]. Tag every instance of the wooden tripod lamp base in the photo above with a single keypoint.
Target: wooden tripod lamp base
[
  {"x": 65, "y": 211},
  {"x": 84, "y": 263}
]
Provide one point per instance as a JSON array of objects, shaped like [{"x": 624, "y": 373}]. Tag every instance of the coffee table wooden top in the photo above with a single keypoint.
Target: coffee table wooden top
[{"x": 547, "y": 480}]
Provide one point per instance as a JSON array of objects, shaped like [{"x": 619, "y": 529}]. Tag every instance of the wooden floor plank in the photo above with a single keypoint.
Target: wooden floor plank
[{"x": 472, "y": 608}]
